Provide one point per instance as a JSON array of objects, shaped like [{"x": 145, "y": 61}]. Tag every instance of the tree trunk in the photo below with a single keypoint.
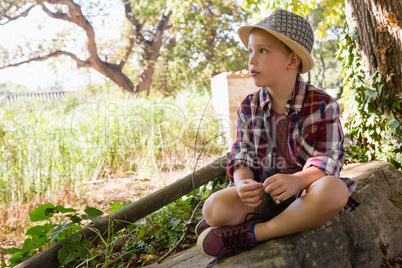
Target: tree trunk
[
  {"x": 74, "y": 15},
  {"x": 145, "y": 81},
  {"x": 378, "y": 23},
  {"x": 114, "y": 73},
  {"x": 151, "y": 47}
]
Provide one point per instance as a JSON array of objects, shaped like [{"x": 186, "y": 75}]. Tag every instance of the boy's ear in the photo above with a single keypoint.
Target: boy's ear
[{"x": 294, "y": 61}]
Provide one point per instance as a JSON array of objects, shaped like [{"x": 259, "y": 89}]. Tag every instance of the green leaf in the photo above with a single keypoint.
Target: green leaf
[
  {"x": 115, "y": 207},
  {"x": 371, "y": 120},
  {"x": 73, "y": 249},
  {"x": 84, "y": 248},
  {"x": 16, "y": 258},
  {"x": 392, "y": 122},
  {"x": 40, "y": 213},
  {"x": 126, "y": 203},
  {"x": 93, "y": 212},
  {"x": 172, "y": 241},
  {"x": 48, "y": 226},
  {"x": 58, "y": 231},
  {"x": 36, "y": 230},
  {"x": 11, "y": 250},
  {"x": 176, "y": 222},
  {"x": 65, "y": 210},
  {"x": 377, "y": 77},
  {"x": 50, "y": 211},
  {"x": 27, "y": 245},
  {"x": 141, "y": 234},
  {"x": 96, "y": 219},
  {"x": 75, "y": 219}
]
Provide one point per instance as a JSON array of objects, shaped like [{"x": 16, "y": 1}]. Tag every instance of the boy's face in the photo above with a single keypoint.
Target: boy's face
[{"x": 269, "y": 59}]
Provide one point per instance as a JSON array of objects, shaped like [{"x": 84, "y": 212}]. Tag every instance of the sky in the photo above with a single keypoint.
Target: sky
[{"x": 39, "y": 75}]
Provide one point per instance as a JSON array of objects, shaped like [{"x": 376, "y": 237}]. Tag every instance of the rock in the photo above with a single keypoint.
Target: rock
[{"x": 358, "y": 239}]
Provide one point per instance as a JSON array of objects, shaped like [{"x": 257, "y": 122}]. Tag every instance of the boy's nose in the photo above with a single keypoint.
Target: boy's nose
[{"x": 251, "y": 60}]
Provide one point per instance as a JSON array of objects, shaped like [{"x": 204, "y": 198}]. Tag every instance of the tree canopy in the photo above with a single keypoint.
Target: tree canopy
[{"x": 176, "y": 40}]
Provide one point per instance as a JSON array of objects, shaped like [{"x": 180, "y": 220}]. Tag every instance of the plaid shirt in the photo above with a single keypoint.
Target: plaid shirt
[{"x": 315, "y": 133}]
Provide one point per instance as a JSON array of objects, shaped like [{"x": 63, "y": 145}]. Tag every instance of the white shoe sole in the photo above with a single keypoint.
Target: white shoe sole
[{"x": 200, "y": 242}]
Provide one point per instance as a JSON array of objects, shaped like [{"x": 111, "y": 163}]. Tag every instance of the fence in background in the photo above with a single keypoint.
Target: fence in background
[{"x": 51, "y": 95}]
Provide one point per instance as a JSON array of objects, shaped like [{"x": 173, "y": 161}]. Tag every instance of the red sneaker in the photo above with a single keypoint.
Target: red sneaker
[
  {"x": 201, "y": 226},
  {"x": 216, "y": 242}
]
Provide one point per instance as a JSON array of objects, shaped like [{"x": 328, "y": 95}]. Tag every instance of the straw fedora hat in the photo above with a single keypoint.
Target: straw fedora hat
[{"x": 291, "y": 29}]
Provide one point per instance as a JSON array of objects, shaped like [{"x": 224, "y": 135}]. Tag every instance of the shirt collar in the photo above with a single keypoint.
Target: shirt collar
[{"x": 296, "y": 101}]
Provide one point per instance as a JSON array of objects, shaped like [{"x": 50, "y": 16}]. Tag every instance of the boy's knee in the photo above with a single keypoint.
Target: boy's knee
[
  {"x": 331, "y": 193},
  {"x": 220, "y": 207},
  {"x": 208, "y": 205},
  {"x": 211, "y": 208}
]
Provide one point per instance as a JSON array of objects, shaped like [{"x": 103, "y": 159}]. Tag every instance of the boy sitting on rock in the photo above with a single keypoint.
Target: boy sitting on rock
[{"x": 289, "y": 151}]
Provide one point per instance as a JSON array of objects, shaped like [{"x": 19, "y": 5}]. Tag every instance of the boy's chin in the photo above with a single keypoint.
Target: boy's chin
[{"x": 259, "y": 84}]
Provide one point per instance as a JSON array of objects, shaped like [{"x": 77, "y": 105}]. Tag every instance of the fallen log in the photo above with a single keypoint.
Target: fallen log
[{"x": 133, "y": 212}]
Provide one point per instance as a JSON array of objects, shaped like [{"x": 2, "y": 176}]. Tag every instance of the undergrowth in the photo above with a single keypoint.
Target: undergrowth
[{"x": 153, "y": 238}]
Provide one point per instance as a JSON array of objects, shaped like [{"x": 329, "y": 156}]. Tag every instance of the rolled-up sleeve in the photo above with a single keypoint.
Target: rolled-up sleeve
[{"x": 329, "y": 154}]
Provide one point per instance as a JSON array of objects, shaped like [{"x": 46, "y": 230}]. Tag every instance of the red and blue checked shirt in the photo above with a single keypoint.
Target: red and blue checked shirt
[{"x": 315, "y": 136}]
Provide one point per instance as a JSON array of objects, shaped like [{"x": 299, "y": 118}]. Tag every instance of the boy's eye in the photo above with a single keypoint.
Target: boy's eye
[{"x": 261, "y": 50}]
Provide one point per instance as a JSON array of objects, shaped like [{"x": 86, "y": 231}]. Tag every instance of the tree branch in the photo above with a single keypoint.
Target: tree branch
[
  {"x": 135, "y": 24},
  {"x": 58, "y": 15},
  {"x": 80, "y": 63},
  {"x": 75, "y": 16},
  {"x": 23, "y": 14},
  {"x": 157, "y": 38},
  {"x": 129, "y": 50},
  {"x": 209, "y": 15}
]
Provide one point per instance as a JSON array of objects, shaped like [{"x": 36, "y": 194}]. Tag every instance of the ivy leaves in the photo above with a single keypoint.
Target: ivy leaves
[
  {"x": 74, "y": 249},
  {"x": 373, "y": 130}
]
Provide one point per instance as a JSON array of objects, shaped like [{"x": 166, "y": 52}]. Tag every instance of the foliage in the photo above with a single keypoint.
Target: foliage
[
  {"x": 49, "y": 146},
  {"x": 374, "y": 130},
  {"x": 60, "y": 222},
  {"x": 149, "y": 239},
  {"x": 197, "y": 43},
  {"x": 142, "y": 242},
  {"x": 332, "y": 10},
  {"x": 202, "y": 44}
]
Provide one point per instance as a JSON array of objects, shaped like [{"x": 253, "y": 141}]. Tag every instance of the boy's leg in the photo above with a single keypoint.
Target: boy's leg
[
  {"x": 322, "y": 201},
  {"x": 225, "y": 208}
]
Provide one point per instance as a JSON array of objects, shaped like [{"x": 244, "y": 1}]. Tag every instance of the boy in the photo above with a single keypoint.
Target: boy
[{"x": 289, "y": 128}]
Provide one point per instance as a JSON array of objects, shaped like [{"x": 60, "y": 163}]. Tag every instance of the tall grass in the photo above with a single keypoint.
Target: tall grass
[{"x": 46, "y": 146}]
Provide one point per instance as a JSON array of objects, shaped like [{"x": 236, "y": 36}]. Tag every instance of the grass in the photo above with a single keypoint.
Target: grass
[
  {"x": 46, "y": 147},
  {"x": 56, "y": 151}
]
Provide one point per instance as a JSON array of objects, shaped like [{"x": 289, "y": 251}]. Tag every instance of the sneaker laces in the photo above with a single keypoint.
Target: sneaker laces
[{"x": 236, "y": 239}]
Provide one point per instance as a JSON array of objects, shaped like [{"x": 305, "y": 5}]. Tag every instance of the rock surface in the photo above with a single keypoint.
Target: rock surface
[{"x": 362, "y": 238}]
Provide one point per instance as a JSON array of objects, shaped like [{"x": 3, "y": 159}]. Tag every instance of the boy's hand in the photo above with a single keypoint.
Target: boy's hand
[
  {"x": 282, "y": 186},
  {"x": 250, "y": 192}
]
